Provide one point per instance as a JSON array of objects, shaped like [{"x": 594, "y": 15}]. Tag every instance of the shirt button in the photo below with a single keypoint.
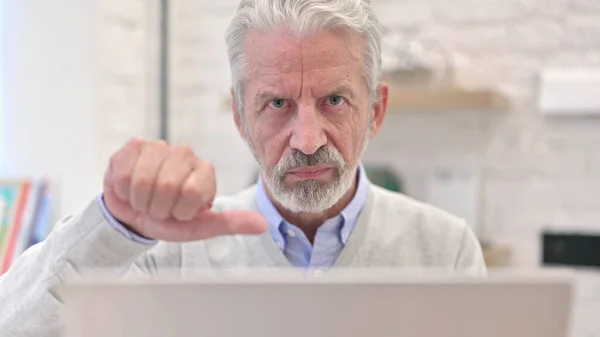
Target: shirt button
[
  {"x": 318, "y": 273},
  {"x": 291, "y": 233}
]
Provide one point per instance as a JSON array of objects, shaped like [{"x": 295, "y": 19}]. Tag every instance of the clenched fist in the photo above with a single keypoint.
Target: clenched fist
[{"x": 166, "y": 192}]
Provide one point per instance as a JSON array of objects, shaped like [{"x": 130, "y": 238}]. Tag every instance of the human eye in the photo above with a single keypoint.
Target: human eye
[
  {"x": 277, "y": 103},
  {"x": 335, "y": 100}
]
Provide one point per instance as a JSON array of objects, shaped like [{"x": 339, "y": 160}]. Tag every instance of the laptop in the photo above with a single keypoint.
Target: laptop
[{"x": 349, "y": 303}]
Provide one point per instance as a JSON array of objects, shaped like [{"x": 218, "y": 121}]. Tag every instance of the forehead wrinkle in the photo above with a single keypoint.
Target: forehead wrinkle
[
  {"x": 331, "y": 65},
  {"x": 317, "y": 63},
  {"x": 342, "y": 88},
  {"x": 279, "y": 63}
]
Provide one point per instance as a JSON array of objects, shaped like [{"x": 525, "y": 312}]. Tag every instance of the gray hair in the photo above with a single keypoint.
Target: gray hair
[{"x": 304, "y": 17}]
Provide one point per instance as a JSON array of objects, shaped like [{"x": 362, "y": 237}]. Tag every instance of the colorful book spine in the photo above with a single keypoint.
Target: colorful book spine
[
  {"x": 38, "y": 189},
  {"x": 3, "y": 209},
  {"x": 15, "y": 229},
  {"x": 43, "y": 225},
  {"x": 7, "y": 190},
  {"x": 24, "y": 217}
]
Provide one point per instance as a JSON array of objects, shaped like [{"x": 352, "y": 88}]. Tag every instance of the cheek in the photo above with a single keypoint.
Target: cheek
[
  {"x": 341, "y": 137},
  {"x": 271, "y": 144},
  {"x": 348, "y": 139}
]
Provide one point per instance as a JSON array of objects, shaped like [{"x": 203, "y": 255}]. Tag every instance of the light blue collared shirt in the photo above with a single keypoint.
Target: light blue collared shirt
[
  {"x": 116, "y": 224},
  {"x": 331, "y": 236},
  {"x": 330, "y": 239}
]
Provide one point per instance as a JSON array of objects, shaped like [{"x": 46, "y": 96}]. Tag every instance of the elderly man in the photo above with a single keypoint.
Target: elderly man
[{"x": 307, "y": 100}]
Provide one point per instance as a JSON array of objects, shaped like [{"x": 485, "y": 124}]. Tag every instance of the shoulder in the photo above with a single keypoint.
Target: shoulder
[
  {"x": 419, "y": 232},
  {"x": 414, "y": 213}
]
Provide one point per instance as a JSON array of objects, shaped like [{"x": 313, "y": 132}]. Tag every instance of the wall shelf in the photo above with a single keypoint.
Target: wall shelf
[{"x": 445, "y": 99}]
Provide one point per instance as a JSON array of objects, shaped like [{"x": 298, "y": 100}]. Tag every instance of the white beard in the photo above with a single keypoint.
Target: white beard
[{"x": 310, "y": 196}]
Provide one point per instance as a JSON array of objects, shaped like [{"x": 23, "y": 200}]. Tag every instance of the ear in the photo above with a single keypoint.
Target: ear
[
  {"x": 379, "y": 108},
  {"x": 236, "y": 113}
]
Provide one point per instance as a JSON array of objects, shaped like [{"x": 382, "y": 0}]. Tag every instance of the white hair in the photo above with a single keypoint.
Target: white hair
[{"x": 304, "y": 17}]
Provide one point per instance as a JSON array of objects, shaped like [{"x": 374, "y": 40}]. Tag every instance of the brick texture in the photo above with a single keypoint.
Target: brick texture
[{"x": 128, "y": 70}]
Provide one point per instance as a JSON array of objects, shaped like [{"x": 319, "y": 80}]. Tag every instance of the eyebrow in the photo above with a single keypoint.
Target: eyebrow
[
  {"x": 343, "y": 91},
  {"x": 262, "y": 96}
]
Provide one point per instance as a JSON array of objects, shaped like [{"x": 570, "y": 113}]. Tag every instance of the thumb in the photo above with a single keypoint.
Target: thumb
[{"x": 210, "y": 224}]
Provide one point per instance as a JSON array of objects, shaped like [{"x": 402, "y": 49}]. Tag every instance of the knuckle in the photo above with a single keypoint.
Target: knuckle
[
  {"x": 184, "y": 149},
  {"x": 152, "y": 147},
  {"x": 135, "y": 142},
  {"x": 160, "y": 143},
  {"x": 208, "y": 167},
  {"x": 191, "y": 191},
  {"x": 143, "y": 182},
  {"x": 113, "y": 162},
  {"x": 170, "y": 186},
  {"x": 115, "y": 158},
  {"x": 211, "y": 171},
  {"x": 122, "y": 177}
]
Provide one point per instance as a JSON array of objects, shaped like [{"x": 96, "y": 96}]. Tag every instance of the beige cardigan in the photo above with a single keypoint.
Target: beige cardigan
[{"x": 392, "y": 231}]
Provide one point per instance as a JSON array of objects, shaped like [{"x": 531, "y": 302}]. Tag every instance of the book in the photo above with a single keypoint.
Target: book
[
  {"x": 32, "y": 213},
  {"x": 3, "y": 209},
  {"x": 24, "y": 207},
  {"x": 14, "y": 231},
  {"x": 42, "y": 225},
  {"x": 8, "y": 190}
]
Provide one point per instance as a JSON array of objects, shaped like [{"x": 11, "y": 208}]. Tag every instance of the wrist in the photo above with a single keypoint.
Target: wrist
[{"x": 122, "y": 226}]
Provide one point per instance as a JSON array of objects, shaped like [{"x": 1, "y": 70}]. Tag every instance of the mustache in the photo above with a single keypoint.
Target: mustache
[{"x": 325, "y": 155}]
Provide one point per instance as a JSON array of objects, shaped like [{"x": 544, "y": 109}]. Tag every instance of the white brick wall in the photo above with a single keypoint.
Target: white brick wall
[
  {"x": 128, "y": 74},
  {"x": 200, "y": 83}
]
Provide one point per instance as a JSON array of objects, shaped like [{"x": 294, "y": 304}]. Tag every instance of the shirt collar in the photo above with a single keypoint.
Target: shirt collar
[{"x": 349, "y": 214}]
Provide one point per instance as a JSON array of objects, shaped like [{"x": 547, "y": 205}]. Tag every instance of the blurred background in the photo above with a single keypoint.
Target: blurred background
[{"x": 494, "y": 112}]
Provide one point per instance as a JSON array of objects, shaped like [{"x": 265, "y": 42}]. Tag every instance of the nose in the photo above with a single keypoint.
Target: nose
[{"x": 308, "y": 134}]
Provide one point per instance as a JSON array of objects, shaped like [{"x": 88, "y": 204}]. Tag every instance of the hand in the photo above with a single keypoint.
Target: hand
[{"x": 165, "y": 193}]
